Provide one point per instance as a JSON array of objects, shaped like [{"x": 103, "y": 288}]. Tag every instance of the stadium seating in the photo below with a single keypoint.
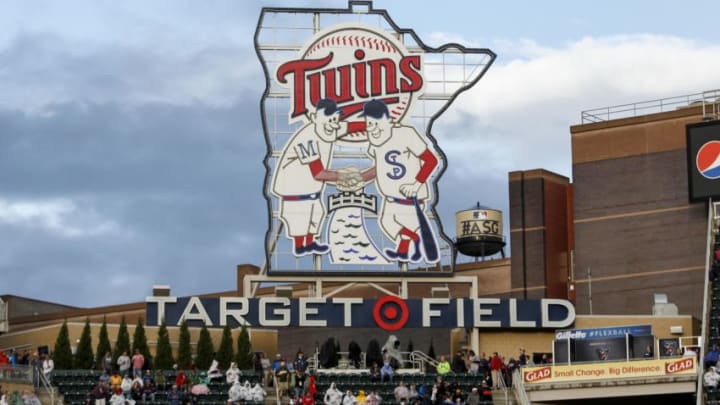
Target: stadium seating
[{"x": 74, "y": 385}]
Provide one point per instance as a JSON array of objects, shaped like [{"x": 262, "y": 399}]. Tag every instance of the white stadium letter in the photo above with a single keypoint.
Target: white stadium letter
[
  {"x": 514, "y": 323},
  {"x": 201, "y": 313},
  {"x": 545, "y": 309},
  {"x": 428, "y": 313},
  {"x": 283, "y": 312},
  {"x": 347, "y": 303},
  {"x": 235, "y": 313},
  {"x": 479, "y": 312},
  {"x": 161, "y": 306},
  {"x": 305, "y": 311}
]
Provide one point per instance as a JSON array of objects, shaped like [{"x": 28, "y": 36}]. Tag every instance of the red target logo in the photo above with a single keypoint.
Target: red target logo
[{"x": 390, "y": 313}]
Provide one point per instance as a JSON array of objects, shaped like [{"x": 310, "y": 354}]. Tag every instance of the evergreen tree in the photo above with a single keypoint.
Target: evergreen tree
[
  {"x": 62, "y": 354},
  {"x": 84, "y": 353},
  {"x": 328, "y": 355},
  {"x": 431, "y": 350},
  {"x": 205, "y": 350},
  {"x": 225, "y": 351},
  {"x": 244, "y": 355},
  {"x": 184, "y": 358},
  {"x": 163, "y": 353},
  {"x": 103, "y": 345},
  {"x": 373, "y": 353},
  {"x": 410, "y": 347},
  {"x": 140, "y": 343},
  {"x": 122, "y": 344},
  {"x": 429, "y": 368}
]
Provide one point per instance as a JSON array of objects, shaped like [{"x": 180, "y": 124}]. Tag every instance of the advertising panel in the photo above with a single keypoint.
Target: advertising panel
[
  {"x": 609, "y": 370},
  {"x": 352, "y": 165},
  {"x": 703, "y": 160}
]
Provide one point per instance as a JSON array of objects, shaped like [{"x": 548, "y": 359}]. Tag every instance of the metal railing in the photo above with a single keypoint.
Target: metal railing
[
  {"x": 504, "y": 388},
  {"x": 707, "y": 99},
  {"x": 44, "y": 383},
  {"x": 31, "y": 375},
  {"x": 419, "y": 359},
  {"x": 519, "y": 387}
]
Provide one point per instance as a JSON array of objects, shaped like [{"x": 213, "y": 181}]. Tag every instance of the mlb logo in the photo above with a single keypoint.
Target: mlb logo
[{"x": 480, "y": 214}]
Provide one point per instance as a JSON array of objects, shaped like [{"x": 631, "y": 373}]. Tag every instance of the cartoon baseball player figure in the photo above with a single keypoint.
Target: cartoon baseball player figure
[
  {"x": 402, "y": 165},
  {"x": 302, "y": 171}
]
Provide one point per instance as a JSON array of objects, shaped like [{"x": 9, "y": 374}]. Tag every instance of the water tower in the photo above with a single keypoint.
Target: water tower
[{"x": 479, "y": 232}]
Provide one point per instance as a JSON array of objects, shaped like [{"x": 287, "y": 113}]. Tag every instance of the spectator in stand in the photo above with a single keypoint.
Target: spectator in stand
[
  {"x": 148, "y": 377},
  {"x": 348, "y": 399},
  {"x": 174, "y": 396},
  {"x": 308, "y": 399},
  {"x": 300, "y": 364},
  {"x": 374, "y": 372},
  {"x": 214, "y": 373},
  {"x": 523, "y": 358},
  {"x": 126, "y": 386},
  {"x": 711, "y": 378},
  {"x": 282, "y": 377},
  {"x": 360, "y": 398},
  {"x": 457, "y": 396},
  {"x": 386, "y": 371},
  {"x": 443, "y": 366},
  {"x": 712, "y": 356},
  {"x": 258, "y": 394},
  {"x": 117, "y": 398},
  {"x": 474, "y": 397},
  {"x": 373, "y": 398},
  {"x": 333, "y": 396},
  {"x": 148, "y": 391},
  {"x": 136, "y": 393},
  {"x": 276, "y": 363},
  {"x": 458, "y": 364},
  {"x": 412, "y": 392},
  {"x": 48, "y": 365},
  {"x": 100, "y": 393},
  {"x": 25, "y": 359},
  {"x": 108, "y": 363},
  {"x": 115, "y": 381},
  {"x": 544, "y": 359},
  {"x": 123, "y": 363},
  {"x": 160, "y": 380},
  {"x": 267, "y": 376},
  {"x": 496, "y": 367},
  {"x": 12, "y": 359},
  {"x": 486, "y": 391},
  {"x": 484, "y": 366},
  {"x": 648, "y": 353},
  {"x": 181, "y": 380},
  {"x": 401, "y": 393},
  {"x": 137, "y": 361},
  {"x": 232, "y": 374},
  {"x": 4, "y": 397},
  {"x": 105, "y": 377},
  {"x": 474, "y": 363},
  {"x": 299, "y": 385}
]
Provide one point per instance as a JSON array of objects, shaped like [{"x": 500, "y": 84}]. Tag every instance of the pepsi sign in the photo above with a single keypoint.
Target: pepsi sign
[{"x": 703, "y": 160}]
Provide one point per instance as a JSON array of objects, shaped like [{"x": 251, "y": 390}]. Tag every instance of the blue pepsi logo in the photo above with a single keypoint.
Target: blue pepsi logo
[{"x": 707, "y": 160}]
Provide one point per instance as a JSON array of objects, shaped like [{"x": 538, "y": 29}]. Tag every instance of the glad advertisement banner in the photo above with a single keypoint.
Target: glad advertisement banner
[{"x": 611, "y": 370}]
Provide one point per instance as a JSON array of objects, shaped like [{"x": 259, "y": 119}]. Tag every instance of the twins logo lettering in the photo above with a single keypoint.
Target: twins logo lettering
[{"x": 398, "y": 171}]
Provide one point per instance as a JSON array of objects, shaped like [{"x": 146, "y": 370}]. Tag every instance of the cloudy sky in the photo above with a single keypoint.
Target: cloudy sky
[{"x": 130, "y": 139}]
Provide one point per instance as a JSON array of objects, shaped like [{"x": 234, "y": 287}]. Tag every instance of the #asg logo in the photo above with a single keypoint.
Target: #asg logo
[{"x": 707, "y": 160}]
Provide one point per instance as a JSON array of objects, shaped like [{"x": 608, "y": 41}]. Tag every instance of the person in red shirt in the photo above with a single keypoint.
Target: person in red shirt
[
  {"x": 138, "y": 361},
  {"x": 308, "y": 399},
  {"x": 181, "y": 380},
  {"x": 496, "y": 366}
]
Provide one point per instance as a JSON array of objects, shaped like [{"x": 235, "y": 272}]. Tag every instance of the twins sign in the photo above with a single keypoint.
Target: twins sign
[{"x": 352, "y": 168}]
